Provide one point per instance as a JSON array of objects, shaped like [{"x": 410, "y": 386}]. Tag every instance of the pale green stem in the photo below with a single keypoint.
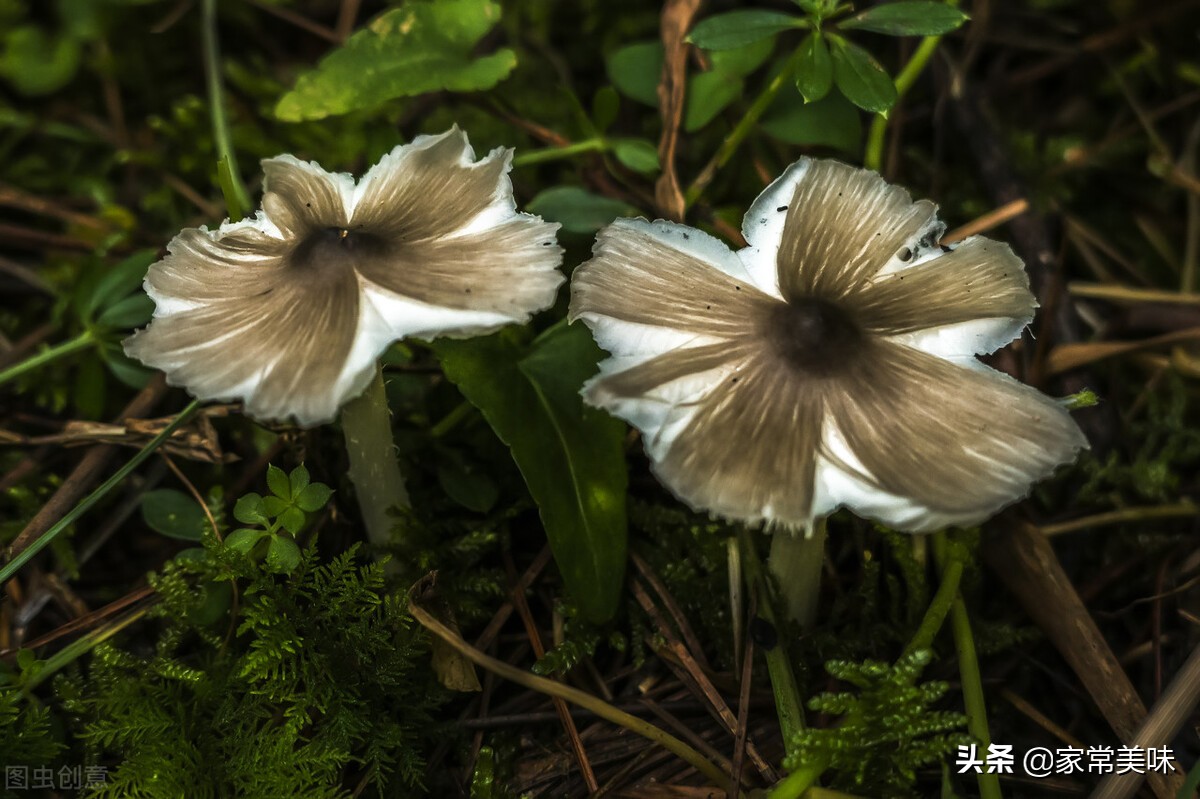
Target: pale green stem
[
  {"x": 795, "y": 563},
  {"x": 555, "y": 153},
  {"x": 968, "y": 670},
  {"x": 779, "y": 666},
  {"x": 743, "y": 128},
  {"x": 873, "y": 158},
  {"x": 91, "y": 499},
  {"x": 367, "y": 427},
  {"x": 216, "y": 103},
  {"x": 47, "y": 355},
  {"x": 935, "y": 615}
]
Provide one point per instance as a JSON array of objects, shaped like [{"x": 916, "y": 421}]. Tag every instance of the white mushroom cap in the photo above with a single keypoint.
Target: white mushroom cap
[
  {"x": 828, "y": 364},
  {"x": 288, "y": 311}
]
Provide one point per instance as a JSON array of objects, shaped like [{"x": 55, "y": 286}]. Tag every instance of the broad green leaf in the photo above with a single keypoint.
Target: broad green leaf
[
  {"x": 469, "y": 487},
  {"x": 637, "y": 154},
  {"x": 250, "y": 510},
  {"x": 605, "y": 105},
  {"x": 118, "y": 282},
  {"x": 576, "y": 209},
  {"x": 708, "y": 93},
  {"x": 35, "y": 62},
  {"x": 814, "y": 70},
  {"x": 283, "y": 554},
  {"x": 570, "y": 455},
  {"x": 635, "y": 70},
  {"x": 418, "y": 48},
  {"x": 741, "y": 61},
  {"x": 736, "y": 28},
  {"x": 278, "y": 482},
  {"x": 908, "y": 18},
  {"x": 313, "y": 497},
  {"x": 860, "y": 77},
  {"x": 174, "y": 514},
  {"x": 244, "y": 539},
  {"x": 831, "y": 121},
  {"x": 133, "y": 311},
  {"x": 124, "y": 368}
]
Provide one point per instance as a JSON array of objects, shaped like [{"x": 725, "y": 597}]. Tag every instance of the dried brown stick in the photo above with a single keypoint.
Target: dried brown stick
[
  {"x": 1166, "y": 718},
  {"x": 89, "y": 470},
  {"x": 676, "y": 19},
  {"x": 743, "y": 717},
  {"x": 1025, "y": 562},
  {"x": 692, "y": 673},
  {"x": 539, "y": 651}
]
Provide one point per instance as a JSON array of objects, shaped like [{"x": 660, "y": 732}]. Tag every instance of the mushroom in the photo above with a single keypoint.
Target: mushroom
[
  {"x": 831, "y": 363},
  {"x": 289, "y": 311}
]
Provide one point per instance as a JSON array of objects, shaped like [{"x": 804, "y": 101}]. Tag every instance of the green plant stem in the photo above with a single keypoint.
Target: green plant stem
[
  {"x": 576, "y": 697},
  {"x": 91, "y": 499},
  {"x": 935, "y": 615},
  {"x": 968, "y": 668},
  {"x": 798, "y": 782},
  {"x": 216, "y": 103},
  {"x": 80, "y": 646},
  {"x": 743, "y": 128},
  {"x": 367, "y": 427},
  {"x": 779, "y": 666},
  {"x": 795, "y": 562},
  {"x": 47, "y": 355},
  {"x": 873, "y": 158},
  {"x": 555, "y": 153}
]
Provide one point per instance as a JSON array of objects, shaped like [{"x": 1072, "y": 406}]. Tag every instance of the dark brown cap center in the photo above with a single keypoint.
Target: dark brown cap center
[
  {"x": 328, "y": 252},
  {"x": 813, "y": 335}
]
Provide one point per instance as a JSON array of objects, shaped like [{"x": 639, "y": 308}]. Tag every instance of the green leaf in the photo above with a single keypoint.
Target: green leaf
[
  {"x": 313, "y": 497},
  {"x": 708, "y": 93},
  {"x": 907, "y": 18},
  {"x": 297, "y": 481},
  {"x": 605, "y": 104},
  {"x": 635, "y": 70},
  {"x": 36, "y": 63},
  {"x": 278, "y": 482},
  {"x": 244, "y": 538},
  {"x": 736, "y": 28},
  {"x": 273, "y": 506},
  {"x": 571, "y": 455},
  {"x": 637, "y": 154},
  {"x": 283, "y": 554},
  {"x": 467, "y": 486},
  {"x": 250, "y": 510},
  {"x": 124, "y": 368},
  {"x": 174, "y": 514},
  {"x": 421, "y": 47},
  {"x": 133, "y": 311},
  {"x": 814, "y": 70},
  {"x": 119, "y": 282},
  {"x": 741, "y": 61},
  {"x": 292, "y": 519},
  {"x": 860, "y": 77},
  {"x": 576, "y": 209},
  {"x": 832, "y": 121}
]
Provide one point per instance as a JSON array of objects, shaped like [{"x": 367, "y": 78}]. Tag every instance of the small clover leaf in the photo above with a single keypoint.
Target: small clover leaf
[
  {"x": 250, "y": 509},
  {"x": 313, "y": 497},
  {"x": 278, "y": 482},
  {"x": 283, "y": 554}
]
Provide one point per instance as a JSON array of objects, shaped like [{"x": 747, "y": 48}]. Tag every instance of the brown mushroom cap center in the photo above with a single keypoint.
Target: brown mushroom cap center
[
  {"x": 812, "y": 335},
  {"x": 328, "y": 253}
]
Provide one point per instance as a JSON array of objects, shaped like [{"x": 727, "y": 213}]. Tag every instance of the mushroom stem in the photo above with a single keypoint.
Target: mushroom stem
[
  {"x": 367, "y": 426},
  {"x": 795, "y": 563}
]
